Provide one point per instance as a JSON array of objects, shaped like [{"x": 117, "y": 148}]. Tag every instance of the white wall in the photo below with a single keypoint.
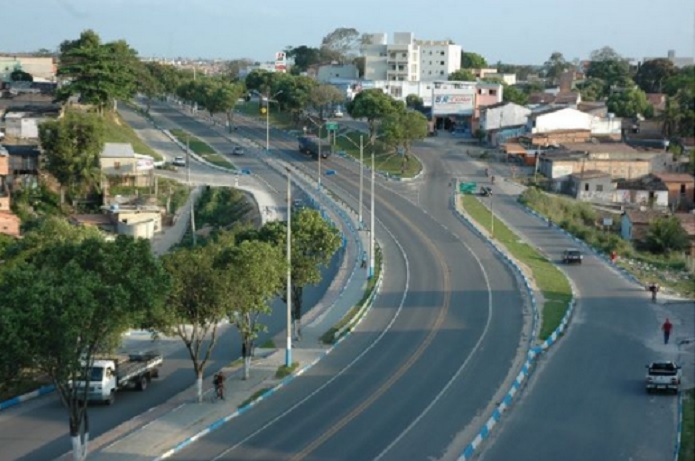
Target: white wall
[
  {"x": 507, "y": 115},
  {"x": 606, "y": 126},
  {"x": 641, "y": 197},
  {"x": 565, "y": 119},
  {"x": 438, "y": 60}
]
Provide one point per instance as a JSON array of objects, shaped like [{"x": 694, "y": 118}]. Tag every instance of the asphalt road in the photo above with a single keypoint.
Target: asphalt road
[
  {"x": 587, "y": 398},
  {"x": 414, "y": 379},
  {"x": 38, "y": 431}
]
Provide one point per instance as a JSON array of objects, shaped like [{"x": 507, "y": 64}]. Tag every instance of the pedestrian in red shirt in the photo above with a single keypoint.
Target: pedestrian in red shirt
[{"x": 666, "y": 328}]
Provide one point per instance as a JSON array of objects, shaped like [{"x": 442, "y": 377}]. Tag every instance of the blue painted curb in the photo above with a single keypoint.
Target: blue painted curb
[
  {"x": 28, "y": 396},
  {"x": 533, "y": 351}
]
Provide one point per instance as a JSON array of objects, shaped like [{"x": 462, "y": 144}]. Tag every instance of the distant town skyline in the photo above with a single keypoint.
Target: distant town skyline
[{"x": 500, "y": 30}]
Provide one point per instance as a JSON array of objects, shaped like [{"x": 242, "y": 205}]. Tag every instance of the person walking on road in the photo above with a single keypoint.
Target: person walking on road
[
  {"x": 666, "y": 328},
  {"x": 654, "y": 288},
  {"x": 218, "y": 382}
]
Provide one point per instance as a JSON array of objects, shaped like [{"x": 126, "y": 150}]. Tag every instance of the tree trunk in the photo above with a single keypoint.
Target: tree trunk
[
  {"x": 199, "y": 385},
  {"x": 247, "y": 367},
  {"x": 79, "y": 438},
  {"x": 297, "y": 298}
]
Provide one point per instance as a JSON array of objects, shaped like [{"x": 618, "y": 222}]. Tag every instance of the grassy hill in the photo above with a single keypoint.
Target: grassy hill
[{"x": 117, "y": 130}]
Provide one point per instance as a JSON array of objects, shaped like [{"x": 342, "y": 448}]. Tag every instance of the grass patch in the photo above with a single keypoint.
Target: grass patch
[
  {"x": 581, "y": 220},
  {"x": 254, "y": 397},
  {"x": 278, "y": 119},
  {"x": 385, "y": 159},
  {"x": 687, "y": 451},
  {"x": 117, "y": 130},
  {"x": 268, "y": 344},
  {"x": 329, "y": 336},
  {"x": 284, "y": 371},
  {"x": 202, "y": 149},
  {"x": 550, "y": 280}
]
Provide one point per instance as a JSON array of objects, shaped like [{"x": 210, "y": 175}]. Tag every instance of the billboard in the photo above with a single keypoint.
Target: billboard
[
  {"x": 280, "y": 62},
  {"x": 453, "y": 101}
]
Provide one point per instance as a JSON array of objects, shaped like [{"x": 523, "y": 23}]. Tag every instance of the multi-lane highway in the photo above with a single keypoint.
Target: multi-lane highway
[
  {"x": 587, "y": 399},
  {"x": 416, "y": 379},
  {"x": 38, "y": 431}
]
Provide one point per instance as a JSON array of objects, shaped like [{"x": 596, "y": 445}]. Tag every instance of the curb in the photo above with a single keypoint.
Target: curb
[
  {"x": 28, "y": 396},
  {"x": 533, "y": 352}
]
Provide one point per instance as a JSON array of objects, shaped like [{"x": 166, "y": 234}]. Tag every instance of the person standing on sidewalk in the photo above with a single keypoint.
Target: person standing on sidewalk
[{"x": 666, "y": 328}]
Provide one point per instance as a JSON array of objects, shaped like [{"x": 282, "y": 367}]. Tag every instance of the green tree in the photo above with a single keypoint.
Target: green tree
[
  {"x": 462, "y": 75},
  {"x": 294, "y": 93},
  {"x": 73, "y": 301},
  {"x": 73, "y": 145},
  {"x": 610, "y": 67},
  {"x": 666, "y": 235},
  {"x": 555, "y": 66},
  {"x": 401, "y": 128},
  {"x": 195, "y": 305},
  {"x": 325, "y": 96},
  {"x": 341, "y": 45},
  {"x": 314, "y": 242},
  {"x": 148, "y": 84},
  {"x": 628, "y": 103},
  {"x": 683, "y": 79},
  {"x": 18, "y": 75},
  {"x": 304, "y": 57},
  {"x": 592, "y": 89},
  {"x": 670, "y": 118},
  {"x": 262, "y": 81},
  {"x": 373, "y": 105},
  {"x": 99, "y": 74},
  {"x": 513, "y": 94},
  {"x": 470, "y": 60},
  {"x": 253, "y": 273},
  {"x": 414, "y": 101},
  {"x": 652, "y": 75}
]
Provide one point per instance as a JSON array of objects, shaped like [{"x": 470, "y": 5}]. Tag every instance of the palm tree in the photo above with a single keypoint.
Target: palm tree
[{"x": 670, "y": 118}]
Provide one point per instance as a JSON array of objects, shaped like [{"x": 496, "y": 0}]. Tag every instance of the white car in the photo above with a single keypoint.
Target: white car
[
  {"x": 338, "y": 113},
  {"x": 179, "y": 161}
]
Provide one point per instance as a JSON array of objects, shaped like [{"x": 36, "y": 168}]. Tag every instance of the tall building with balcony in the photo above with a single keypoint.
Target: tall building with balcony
[{"x": 407, "y": 59}]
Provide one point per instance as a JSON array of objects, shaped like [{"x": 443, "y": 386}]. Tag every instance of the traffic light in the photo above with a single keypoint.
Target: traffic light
[{"x": 262, "y": 106}]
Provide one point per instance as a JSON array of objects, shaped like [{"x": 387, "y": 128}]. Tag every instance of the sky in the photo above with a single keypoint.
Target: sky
[{"x": 511, "y": 31}]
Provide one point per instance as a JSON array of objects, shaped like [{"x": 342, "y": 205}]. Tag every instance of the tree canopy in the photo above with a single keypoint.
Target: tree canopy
[
  {"x": 470, "y": 60},
  {"x": 73, "y": 145},
  {"x": 462, "y": 75},
  {"x": 73, "y": 300},
  {"x": 652, "y": 75},
  {"x": 372, "y": 105}
]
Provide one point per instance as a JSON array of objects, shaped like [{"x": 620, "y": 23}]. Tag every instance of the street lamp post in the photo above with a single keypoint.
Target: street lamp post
[
  {"x": 288, "y": 350},
  {"x": 373, "y": 225},
  {"x": 318, "y": 176},
  {"x": 492, "y": 219},
  {"x": 359, "y": 219},
  {"x": 267, "y": 120}
]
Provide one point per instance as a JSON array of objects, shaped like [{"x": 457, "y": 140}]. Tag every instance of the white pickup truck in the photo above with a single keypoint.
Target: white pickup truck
[
  {"x": 663, "y": 375},
  {"x": 110, "y": 375}
]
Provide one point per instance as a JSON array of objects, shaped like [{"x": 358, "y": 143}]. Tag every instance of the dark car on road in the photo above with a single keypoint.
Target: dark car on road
[
  {"x": 238, "y": 150},
  {"x": 572, "y": 256}
]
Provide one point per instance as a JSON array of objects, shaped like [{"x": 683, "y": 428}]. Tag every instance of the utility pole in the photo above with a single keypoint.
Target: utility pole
[
  {"x": 288, "y": 350},
  {"x": 318, "y": 180},
  {"x": 190, "y": 189},
  {"x": 359, "y": 219},
  {"x": 373, "y": 225}
]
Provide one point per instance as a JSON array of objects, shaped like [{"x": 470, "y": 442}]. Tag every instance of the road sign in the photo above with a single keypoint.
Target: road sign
[
  {"x": 331, "y": 126},
  {"x": 467, "y": 187}
]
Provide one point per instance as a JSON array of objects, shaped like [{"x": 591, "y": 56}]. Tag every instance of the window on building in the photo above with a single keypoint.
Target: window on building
[
  {"x": 441, "y": 63},
  {"x": 441, "y": 72},
  {"x": 682, "y": 189},
  {"x": 599, "y": 187},
  {"x": 586, "y": 187},
  {"x": 493, "y": 92},
  {"x": 117, "y": 165},
  {"x": 442, "y": 53}
]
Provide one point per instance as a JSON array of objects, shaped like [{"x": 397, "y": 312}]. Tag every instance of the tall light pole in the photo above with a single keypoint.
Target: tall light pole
[
  {"x": 359, "y": 219},
  {"x": 288, "y": 350},
  {"x": 373, "y": 226},
  {"x": 267, "y": 119},
  {"x": 318, "y": 176},
  {"x": 492, "y": 219}
]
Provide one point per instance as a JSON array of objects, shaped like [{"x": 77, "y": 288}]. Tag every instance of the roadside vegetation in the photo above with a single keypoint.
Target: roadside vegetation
[
  {"x": 658, "y": 259},
  {"x": 550, "y": 281},
  {"x": 329, "y": 336},
  {"x": 201, "y": 148},
  {"x": 117, "y": 130}
]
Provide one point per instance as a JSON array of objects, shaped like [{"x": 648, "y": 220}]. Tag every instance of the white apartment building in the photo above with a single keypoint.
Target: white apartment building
[{"x": 407, "y": 59}]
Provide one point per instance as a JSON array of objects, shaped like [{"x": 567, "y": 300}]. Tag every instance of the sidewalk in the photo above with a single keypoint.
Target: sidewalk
[{"x": 180, "y": 421}]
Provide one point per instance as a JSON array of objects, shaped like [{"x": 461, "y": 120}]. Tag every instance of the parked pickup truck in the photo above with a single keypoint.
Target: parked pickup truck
[
  {"x": 663, "y": 375},
  {"x": 110, "y": 375}
]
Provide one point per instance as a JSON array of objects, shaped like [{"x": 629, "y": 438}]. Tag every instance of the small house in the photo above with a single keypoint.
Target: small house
[
  {"x": 591, "y": 185},
  {"x": 634, "y": 224}
]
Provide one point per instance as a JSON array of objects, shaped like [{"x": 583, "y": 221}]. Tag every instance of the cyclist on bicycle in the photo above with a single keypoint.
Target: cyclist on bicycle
[{"x": 218, "y": 382}]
